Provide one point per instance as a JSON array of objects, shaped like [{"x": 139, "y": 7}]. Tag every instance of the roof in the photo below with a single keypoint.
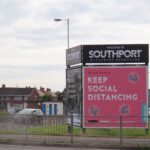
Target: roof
[
  {"x": 51, "y": 93},
  {"x": 40, "y": 93},
  {"x": 15, "y": 91}
]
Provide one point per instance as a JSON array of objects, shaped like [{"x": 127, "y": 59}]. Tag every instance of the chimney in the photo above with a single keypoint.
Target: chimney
[
  {"x": 48, "y": 90},
  {"x": 42, "y": 89},
  {"x": 3, "y": 86}
]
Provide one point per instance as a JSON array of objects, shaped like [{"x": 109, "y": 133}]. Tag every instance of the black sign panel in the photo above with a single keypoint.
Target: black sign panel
[
  {"x": 73, "y": 55},
  {"x": 73, "y": 87},
  {"x": 131, "y": 53}
]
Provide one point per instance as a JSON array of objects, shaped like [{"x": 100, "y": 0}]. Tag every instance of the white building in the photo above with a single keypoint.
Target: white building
[{"x": 52, "y": 108}]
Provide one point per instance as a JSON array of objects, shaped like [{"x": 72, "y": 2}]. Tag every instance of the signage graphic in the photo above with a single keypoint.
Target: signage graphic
[
  {"x": 111, "y": 92},
  {"x": 129, "y": 53}
]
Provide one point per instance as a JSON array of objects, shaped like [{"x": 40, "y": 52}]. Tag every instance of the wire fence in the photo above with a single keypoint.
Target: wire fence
[{"x": 99, "y": 131}]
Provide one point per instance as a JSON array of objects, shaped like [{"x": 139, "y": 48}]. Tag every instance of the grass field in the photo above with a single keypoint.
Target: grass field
[{"x": 63, "y": 130}]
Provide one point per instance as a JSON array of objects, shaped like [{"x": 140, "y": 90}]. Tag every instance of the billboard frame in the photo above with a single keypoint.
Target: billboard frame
[{"x": 108, "y": 54}]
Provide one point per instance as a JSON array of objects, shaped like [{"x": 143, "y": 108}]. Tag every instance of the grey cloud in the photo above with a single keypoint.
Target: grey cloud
[
  {"x": 38, "y": 35},
  {"x": 10, "y": 11},
  {"x": 12, "y": 72},
  {"x": 51, "y": 76},
  {"x": 134, "y": 11},
  {"x": 33, "y": 67}
]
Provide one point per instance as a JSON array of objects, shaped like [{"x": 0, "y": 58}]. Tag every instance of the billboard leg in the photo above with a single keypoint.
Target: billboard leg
[
  {"x": 147, "y": 131},
  {"x": 69, "y": 129},
  {"x": 121, "y": 135},
  {"x": 83, "y": 130}
]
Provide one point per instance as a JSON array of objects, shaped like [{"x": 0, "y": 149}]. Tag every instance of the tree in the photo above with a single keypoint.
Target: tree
[
  {"x": 59, "y": 95},
  {"x": 46, "y": 98}
]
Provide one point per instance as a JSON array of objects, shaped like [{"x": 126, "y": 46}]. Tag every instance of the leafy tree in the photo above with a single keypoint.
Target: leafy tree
[
  {"x": 59, "y": 95},
  {"x": 46, "y": 98}
]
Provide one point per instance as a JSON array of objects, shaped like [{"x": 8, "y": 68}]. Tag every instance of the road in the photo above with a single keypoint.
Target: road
[{"x": 20, "y": 147}]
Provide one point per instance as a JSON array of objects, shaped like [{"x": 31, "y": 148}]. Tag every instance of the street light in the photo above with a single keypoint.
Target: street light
[{"x": 67, "y": 20}]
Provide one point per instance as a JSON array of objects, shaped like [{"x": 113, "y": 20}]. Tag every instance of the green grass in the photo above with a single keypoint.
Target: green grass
[
  {"x": 13, "y": 131},
  {"x": 110, "y": 132},
  {"x": 93, "y": 132},
  {"x": 62, "y": 130},
  {"x": 3, "y": 114},
  {"x": 48, "y": 130}
]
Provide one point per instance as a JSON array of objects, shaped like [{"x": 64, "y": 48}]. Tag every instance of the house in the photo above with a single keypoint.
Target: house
[
  {"x": 52, "y": 108},
  {"x": 48, "y": 92},
  {"x": 15, "y": 99},
  {"x": 50, "y": 104}
]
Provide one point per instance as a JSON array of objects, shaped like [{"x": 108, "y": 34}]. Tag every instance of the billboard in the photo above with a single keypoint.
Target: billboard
[
  {"x": 111, "y": 92},
  {"x": 117, "y": 53}
]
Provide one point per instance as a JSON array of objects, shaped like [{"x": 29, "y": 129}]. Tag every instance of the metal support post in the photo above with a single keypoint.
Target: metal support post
[{"x": 121, "y": 133}]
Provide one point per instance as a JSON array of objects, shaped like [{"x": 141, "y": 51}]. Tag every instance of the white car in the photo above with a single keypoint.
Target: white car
[
  {"x": 29, "y": 116},
  {"x": 76, "y": 120},
  {"x": 30, "y": 111}
]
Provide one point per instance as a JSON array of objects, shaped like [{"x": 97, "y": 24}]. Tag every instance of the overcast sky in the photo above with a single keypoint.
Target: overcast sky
[{"x": 32, "y": 45}]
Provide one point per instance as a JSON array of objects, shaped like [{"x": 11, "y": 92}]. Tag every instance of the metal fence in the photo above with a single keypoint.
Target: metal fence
[{"x": 62, "y": 130}]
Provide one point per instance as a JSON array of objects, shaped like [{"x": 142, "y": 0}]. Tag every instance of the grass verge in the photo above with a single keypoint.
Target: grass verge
[{"x": 63, "y": 130}]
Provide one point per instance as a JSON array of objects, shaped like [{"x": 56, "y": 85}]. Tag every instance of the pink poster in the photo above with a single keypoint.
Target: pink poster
[{"x": 115, "y": 94}]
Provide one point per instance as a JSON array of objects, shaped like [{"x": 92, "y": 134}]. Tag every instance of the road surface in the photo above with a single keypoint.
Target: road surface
[{"x": 20, "y": 147}]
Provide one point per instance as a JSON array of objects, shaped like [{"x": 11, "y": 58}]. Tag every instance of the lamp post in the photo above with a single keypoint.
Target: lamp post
[{"x": 67, "y": 20}]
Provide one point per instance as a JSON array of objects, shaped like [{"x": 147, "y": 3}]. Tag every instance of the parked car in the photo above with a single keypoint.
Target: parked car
[
  {"x": 30, "y": 111},
  {"x": 76, "y": 120},
  {"x": 29, "y": 116}
]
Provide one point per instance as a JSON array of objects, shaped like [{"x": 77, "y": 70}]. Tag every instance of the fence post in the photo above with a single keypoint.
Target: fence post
[
  {"x": 83, "y": 130},
  {"x": 69, "y": 125},
  {"x": 147, "y": 129},
  {"x": 71, "y": 128},
  {"x": 121, "y": 135},
  {"x": 26, "y": 128}
]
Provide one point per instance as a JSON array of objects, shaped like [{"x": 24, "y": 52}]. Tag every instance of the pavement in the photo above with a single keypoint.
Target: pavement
[
  {"x": 84, "y": 142},
  {"x": 21, "y": 147}
]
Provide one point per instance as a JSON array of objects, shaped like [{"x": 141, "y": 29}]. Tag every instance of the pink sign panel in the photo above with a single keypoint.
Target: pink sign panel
[{"x": 114, "y": 95}]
